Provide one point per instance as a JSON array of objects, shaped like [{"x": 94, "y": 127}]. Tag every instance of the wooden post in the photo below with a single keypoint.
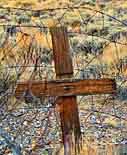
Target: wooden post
[{"x": 68, "y": 106}]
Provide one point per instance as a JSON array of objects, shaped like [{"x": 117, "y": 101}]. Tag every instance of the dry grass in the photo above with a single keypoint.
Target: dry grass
[
  {"x": 93, "y": 149},
  {"x": 35, "y": 4}
]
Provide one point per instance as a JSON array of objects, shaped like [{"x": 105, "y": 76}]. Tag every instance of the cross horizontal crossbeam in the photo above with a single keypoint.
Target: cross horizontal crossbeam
[{"x": 67, "y": 87}]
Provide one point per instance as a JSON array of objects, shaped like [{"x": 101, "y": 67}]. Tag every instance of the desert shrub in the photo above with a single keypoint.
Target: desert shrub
[
  {"x": 122, "y": 93},
  {"x": 88, "y": 46}
]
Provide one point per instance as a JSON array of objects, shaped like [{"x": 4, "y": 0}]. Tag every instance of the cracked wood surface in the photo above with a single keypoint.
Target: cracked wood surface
[{"x": 67, "y": 87}]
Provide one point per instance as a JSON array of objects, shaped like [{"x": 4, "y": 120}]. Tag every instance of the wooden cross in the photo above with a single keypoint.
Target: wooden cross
[{"x": 66, "y": 88}]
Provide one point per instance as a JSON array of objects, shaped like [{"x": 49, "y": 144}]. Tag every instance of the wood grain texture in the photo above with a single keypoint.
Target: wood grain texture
[
  {"x": 67, "y": 87},
  {"x": 62, "y": 57}
]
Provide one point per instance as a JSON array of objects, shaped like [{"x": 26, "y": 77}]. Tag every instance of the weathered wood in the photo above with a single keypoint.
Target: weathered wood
[
  {"x": 67, "y": 87},
  {"x": 62, "y": 58}
]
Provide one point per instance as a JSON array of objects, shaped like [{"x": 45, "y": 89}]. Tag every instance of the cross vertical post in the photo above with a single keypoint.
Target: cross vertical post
[{"x": 68, "y": 107}]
